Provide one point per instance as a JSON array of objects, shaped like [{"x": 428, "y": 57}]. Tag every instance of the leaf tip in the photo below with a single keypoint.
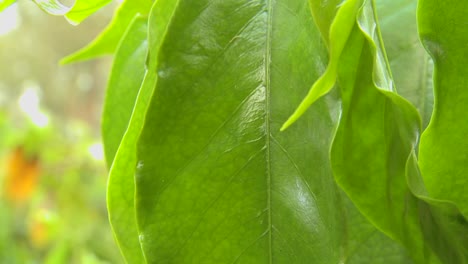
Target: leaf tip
[
  {"x": 288, "y": 123},
  {"x": 66, "y": 60}
]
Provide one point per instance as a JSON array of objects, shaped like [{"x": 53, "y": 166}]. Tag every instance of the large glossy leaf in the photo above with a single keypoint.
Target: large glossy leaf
[
  {"x": 121, "y": 185},
  {"x": 107, "y": 41},
  {"x": 217, "y": 182},
  {"x": 444, "y": 145}
]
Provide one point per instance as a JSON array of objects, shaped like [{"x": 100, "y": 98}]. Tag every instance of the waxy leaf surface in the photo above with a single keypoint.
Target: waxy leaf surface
[{"x": 216, "y": 180}]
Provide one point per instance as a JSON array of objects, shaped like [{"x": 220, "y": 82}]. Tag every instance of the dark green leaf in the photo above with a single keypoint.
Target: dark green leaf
[
  {"x": 217, "y": 182},
  {"x": 411, "y": 65},
  {"x": 377, "y": 134}
]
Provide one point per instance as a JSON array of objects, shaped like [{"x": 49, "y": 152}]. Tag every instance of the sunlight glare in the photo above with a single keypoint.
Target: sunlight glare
[
  {"x": 9, "y": 19},
  {"x": 96, "y": 151},
  {"x": 29, "y": 104}
]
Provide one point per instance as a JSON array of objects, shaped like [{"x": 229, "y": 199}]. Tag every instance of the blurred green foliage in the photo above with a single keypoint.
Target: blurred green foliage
[
  {"x": 52, "y": 173},
  {"x": 59, "y": 221}
]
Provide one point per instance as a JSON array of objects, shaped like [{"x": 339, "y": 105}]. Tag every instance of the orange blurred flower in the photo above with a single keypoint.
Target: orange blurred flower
[{"x": 21, "y": 176}]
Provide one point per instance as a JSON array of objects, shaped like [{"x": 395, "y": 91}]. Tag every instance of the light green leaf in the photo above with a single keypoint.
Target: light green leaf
[
  {"x": 339, "y": 33},
  {"x": 5, "y": 3},
  {"x": 323, "y": 13},
  {"x": 107, "y": 41},
  {"x": 216, "y": 180},
  {"x": 127, "y": 74},
  {"x": 80, "y": 10},
  {"x": 53, "y": 7},
  {"x": 83, "y": 9},
  {"x": 443, "y": 27},
  {"x": 121, "y": 185}
]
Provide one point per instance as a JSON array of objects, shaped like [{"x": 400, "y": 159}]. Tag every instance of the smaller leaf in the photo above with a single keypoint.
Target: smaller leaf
[
  {"x": 53, "y": 7},
  {"x": 83, "y": 9},
  {"x": 121, "y": 184},
  {"x": 127, "y": 74},
  {"x": 126, "y": 77},
  {"x": 339, "y": 32},
  {"x": 80, "y": 10},
  {"x": 106, "y": 42},
  {"x": 5, "y": 3}
]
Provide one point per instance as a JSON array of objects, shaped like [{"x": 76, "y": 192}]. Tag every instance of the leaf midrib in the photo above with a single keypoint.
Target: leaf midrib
[{"x": 267, "y": 121}]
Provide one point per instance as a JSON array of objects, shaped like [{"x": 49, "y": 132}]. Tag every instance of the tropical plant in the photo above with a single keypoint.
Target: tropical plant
[{"x": 198, "y": 94}]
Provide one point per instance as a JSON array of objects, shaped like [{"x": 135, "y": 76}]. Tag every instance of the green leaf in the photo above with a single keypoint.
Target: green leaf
[
  {"x": 366, "y": 244},
  {"x": 5, "y": 3},
  {"x": 443, "y": 225},
  {"x": 127, "y": 74},
  {"x": 323, "y": 14},
  {"x": 216, "y": 180},
  {"x": 375, "y": 139},
  {"x": 121, "y": 185},
  {"x": 339, "y": 32},
  {"x": 369, "y": 163},
  {"x": 106, "y": 42},
  {"x": 83, "y": 9},
  {"x": 410, "y": 64},
  {"x": 80, "y": 10},
  {"x": 443, "y": 149},
  {"x": 53, "y": 7}
]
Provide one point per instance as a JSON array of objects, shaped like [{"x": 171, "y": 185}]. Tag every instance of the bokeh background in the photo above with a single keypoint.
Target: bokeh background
[{"x": 52, "y": 171}]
